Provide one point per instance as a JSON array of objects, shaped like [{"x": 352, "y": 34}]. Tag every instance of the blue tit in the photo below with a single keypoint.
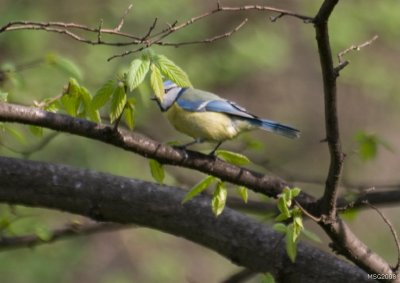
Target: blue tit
[{"x": 206, "y": 117}]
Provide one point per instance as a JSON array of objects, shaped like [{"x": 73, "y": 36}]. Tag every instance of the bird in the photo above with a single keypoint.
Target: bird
[{"x": 206, "y": 117}]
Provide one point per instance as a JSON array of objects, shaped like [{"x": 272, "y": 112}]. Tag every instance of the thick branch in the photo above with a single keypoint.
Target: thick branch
[
  {"x": 328, "y": 201},
  {"x": 134, "y": 142},
  {"x": 344, "y": 241},
  {"x": 109, "y": 198}
]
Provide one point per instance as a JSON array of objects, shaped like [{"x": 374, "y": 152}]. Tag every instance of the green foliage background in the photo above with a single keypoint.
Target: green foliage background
[{"x": 270, "y": 68}]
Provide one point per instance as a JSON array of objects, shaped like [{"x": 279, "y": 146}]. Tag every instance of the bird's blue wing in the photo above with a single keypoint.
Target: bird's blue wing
[
  {"x": 221, "y": 106},
  {"x": 228, "y": 107}
]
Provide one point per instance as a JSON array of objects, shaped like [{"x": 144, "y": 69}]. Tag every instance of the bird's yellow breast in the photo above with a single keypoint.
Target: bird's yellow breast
[{"x": 205, "y": 126}]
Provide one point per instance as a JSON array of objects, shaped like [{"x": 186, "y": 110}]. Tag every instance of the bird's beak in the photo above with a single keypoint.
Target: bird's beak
[{"x": 154, "y": 98}]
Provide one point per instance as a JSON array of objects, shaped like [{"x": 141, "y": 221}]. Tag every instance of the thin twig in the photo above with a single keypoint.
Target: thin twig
[
  {"x": 392, "y": 230},
  {"x": 207, "y": 40},
  {"x": 35, "y": 148},
  {"x": 121, "y": 23},
  {"x": 70, "y": 230},
  {"x": 148, "y": 39},
  {"x": 99, "y": 31},
  {"x": 312, "y": 217},
  {"x": 177, "y": 44},
  {"x": 342, "y": 62},
  {"x": 152, "y": 27}
]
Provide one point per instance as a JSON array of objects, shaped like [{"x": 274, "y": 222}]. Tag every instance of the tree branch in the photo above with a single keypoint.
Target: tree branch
[
  {"x": 344, "y": 241},
  {"x": 328, "y": 200},
  {"x": 134, "y": 142},
  {"x": 146, "y": 41},
  {"x": 117, "y": 199}
]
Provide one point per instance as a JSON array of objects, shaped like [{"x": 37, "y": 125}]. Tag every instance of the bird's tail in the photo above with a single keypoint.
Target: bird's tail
[{"x": 277, "y": 128}]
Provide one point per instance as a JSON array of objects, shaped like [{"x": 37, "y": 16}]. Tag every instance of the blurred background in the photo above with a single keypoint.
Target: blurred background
[{"x": 272, "y": 69}]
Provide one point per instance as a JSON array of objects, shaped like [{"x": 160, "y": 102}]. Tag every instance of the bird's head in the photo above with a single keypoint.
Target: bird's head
[{"x": 171, "y": 92}]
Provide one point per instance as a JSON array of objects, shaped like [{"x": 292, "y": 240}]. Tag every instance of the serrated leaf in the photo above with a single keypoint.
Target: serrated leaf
[
  {"x": 198, "y": 188},
  {"x": 243, "y": 192},
  {"x": 267, "y": 278},
  {"x": 311, "y": 235},
  {"x": 219, "y": 198},
  {"x": 171, "y": 71},
  {"x": 291, "y": 246},
  {"x": 280, "y": 227},
  {"x": 88, "y": 110},
  {"x": 156, "y": 82},
  {"x": 232, "y": 157},
  {"x": 71, "y": 104},
  {"x": 137, "y": 72},
  {"x": 118, "y": 102},
  {"x": 103, "y": 95},
  {"x": 157, "y": 170},
  {"x": 86, "y": 97},
  {"x": 43, "y": 233},
  {"x": 129, "y": 116},
  {"x": 36, "y": 131},
  {"x": 73, "y": 87},
  {"x": 65, "y": 65},
  {"x": 71, "y": 99}
]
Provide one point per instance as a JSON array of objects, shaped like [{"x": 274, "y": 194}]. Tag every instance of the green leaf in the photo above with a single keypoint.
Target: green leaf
[
  {"x": 71, "y": 98},
  {"x": 71, "y": 104},
  {"x": 88, "y": 110},
  {"x": 232, "y": 157},
  {"x": 280, "y": 227},
  {"x": 367, "y": 145},
  {"x": 281, "y": 217},
  {"x": 267, "y": 278},
  {"x": 198, "y": 188},
  {"x": 43, "y": 233},
  {"x": 3, "y": 96},
  {"x": 103, "y": 95},
  {"x": 297, "y": 227},
  {"x": 171, "y": 71},
  {"x": 350, "y": 214},
  {"x": 219, "y": 198},
  {"x": 243, "y": 192},
  {"x": 283, "y": 208},
  {"x": 137, "y": 72},
  {"x": 36, "y": 131},
  {"x": 65, "y": 65},
  {"x": 157, "y": 170},
  {"x": 118, "y": 102},
  {"x": 295, "y": 192},
  {"x": 311, "y": 235},
  {"x": 287, "y": 195},
  {"x": 291, "y": 246},
  {"x": 129, "y": 116},
  {"x": 5, "y": 222},
  {"x": 156, "y": 82}
]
